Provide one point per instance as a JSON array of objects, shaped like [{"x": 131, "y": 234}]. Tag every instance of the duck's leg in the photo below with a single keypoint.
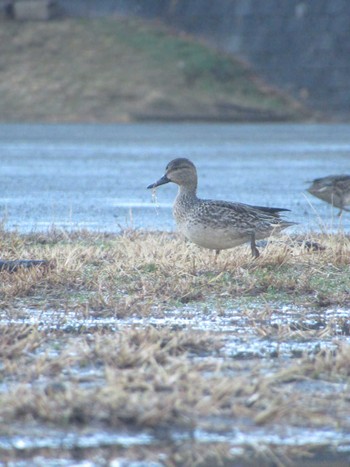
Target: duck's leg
[
  {"x": 255, "y": 251},
  {"x": 216, "y": 255},
  {"x": 342, "y": 206}
]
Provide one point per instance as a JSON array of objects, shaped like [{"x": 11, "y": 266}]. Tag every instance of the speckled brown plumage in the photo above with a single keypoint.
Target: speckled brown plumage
[
  {"x": 334, "y": 189},
  {"x": 217, "y": 225}
]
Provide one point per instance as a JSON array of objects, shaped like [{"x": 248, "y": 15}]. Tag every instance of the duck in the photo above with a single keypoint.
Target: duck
[
  {"x": 334, "y": 189},
  {"x": 217, "y": 225}
]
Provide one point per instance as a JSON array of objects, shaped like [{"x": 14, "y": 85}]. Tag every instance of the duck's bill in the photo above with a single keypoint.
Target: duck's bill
[{"x": 161, "y": 181}]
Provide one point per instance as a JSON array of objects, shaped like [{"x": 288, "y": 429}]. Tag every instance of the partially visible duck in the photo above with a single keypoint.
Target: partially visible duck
[{"x": 334, "y": 189}]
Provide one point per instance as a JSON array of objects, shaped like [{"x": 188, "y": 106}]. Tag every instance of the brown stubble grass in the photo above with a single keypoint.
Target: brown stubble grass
[
  {"x": 162, "y": 378},
  {"x": 158, "y": 269}
]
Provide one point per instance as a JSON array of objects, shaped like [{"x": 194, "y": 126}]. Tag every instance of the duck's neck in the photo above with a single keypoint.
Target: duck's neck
[
  {"x": 188, "y": 189},
  {"x": 187, "y": 193},
  {"x": 185, "y": 200}
]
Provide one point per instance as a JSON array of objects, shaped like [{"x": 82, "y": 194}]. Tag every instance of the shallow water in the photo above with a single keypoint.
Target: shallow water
[
  {"x": 237, "y": 328},
  {"x": 95, "y": 176},
  {"x": 57, "y": 439}
]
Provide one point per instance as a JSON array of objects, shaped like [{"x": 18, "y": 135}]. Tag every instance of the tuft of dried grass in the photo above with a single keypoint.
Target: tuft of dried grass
[{"x": 16, "y": 340}]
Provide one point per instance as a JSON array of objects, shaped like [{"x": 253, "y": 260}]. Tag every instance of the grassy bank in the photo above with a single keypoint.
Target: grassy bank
[
  {"x": 111, "y": 70},
  {"x": 94, "y": 342}
]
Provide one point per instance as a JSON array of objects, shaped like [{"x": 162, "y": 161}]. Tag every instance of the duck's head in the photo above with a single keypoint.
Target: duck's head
[{"x": 180, "y": 171}]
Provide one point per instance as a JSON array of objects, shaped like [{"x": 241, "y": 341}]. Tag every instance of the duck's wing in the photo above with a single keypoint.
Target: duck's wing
[
  {"x": 246, "y": 209},
  {"x": 243, "y": 215},
  {"x": 343, "y": 182},
  {"x": 273, "y": 211}
]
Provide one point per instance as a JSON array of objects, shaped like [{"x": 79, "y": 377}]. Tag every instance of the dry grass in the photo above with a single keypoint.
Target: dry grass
[
  {"x": 137, "y": 271},
  {"x": 166, "y": 378}
]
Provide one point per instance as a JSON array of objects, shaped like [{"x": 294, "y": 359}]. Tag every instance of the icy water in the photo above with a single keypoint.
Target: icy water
[
  {"x": 95, "y": 176},
  {"x": 236, "y": 327}
]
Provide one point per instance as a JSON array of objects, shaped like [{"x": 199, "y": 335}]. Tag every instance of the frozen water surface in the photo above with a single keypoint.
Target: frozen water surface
[{"x": 95, "y": 176}]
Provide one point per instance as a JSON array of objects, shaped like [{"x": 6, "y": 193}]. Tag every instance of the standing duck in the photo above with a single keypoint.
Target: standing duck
[{"x": 217, "y": 225}]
